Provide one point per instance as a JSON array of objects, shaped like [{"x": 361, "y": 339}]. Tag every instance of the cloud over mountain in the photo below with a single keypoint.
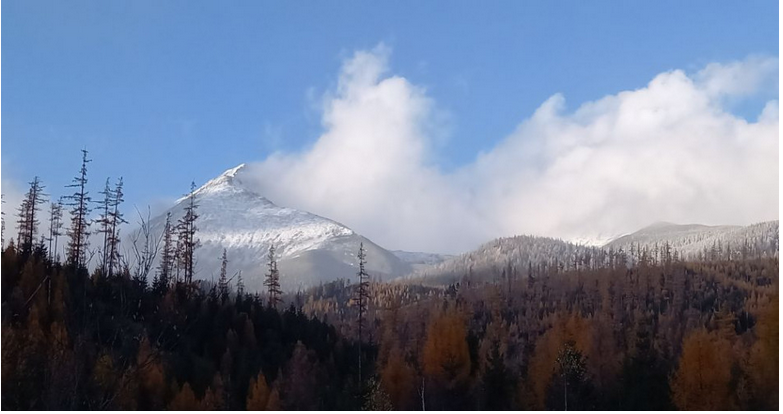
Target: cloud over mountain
[{"x": 670, "y": 150}]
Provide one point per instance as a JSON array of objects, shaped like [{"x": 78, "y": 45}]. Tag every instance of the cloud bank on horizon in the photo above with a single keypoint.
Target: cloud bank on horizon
[{"x": 668, "y": 151}]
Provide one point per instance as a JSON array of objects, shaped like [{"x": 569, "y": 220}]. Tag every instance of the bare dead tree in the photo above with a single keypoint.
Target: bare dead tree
[
  {"x": 104, "y": 223},
  {"x": 145, "y": 246},
  {"x": 116, "y": 219}
]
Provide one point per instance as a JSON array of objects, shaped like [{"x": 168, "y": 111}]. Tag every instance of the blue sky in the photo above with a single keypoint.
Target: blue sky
[{"x": 168, "y": 92}]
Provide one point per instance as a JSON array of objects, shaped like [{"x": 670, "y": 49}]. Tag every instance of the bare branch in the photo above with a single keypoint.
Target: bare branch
[{"x": 145, "y": 246}]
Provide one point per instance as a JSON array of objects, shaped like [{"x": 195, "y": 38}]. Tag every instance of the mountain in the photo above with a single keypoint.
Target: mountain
[
  {"x": 515, "y": 254},
  {"x": 692, "y": 239},
  {"x": 310, "y": 249}
]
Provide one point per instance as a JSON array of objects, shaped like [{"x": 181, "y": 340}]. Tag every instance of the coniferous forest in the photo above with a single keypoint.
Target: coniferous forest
[
  {"x": 650, "y": 332},
  {"x": 390, "y": 205}
]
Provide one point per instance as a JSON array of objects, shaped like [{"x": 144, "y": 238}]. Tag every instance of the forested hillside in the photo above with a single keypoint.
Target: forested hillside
[
  {"x": 655, "y": 336},
  {"x": 690, "y": 242}
]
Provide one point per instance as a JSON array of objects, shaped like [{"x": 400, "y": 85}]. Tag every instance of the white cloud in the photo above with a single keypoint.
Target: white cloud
[
  {"x": 667, "y": 151},
  {"x": 740, "y": 77},
  {"x": 12, "y": 197}
]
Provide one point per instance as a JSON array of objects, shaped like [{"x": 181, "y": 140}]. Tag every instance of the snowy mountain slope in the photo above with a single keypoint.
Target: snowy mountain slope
[
  {"x": 489, "y": 259},
  {"x": 310, "y": 249},
  {"x": 517, "y": 252},
  {"x": 690, "y": 239},
  {"x": 597, "y": 240}
]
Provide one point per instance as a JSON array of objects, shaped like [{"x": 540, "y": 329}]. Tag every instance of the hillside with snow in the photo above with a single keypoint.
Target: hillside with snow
[
  {"x": 513, "y": 255},
  {"x": 691, "y": 240},
  {"x": 310, "y": 249}
]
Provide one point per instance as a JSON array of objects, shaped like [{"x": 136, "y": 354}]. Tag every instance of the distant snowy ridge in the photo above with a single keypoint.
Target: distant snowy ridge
[
  {"x": 691, "y": 239},
  {"x": 598, "y": 240},
  {"x": 517, "y": 252}
]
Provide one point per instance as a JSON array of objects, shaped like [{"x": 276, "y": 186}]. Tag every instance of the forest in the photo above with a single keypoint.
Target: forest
[{"x": 635, "y": 331}]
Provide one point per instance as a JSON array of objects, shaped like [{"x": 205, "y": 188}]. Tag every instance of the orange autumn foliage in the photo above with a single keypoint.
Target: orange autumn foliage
[
  {"x": 257, "y": 394},
  {"x": 185, "y": 400},
  {"x": 150, "y": 378},
  {"x": 273, "y": 404},
  {"x": 397, "y": 379},
  {"x": 702, "y": 379},
  {"x": 446, "y": 355},
  {"x": 764, "y": 356},
  {"x": 566, "y": 328}
]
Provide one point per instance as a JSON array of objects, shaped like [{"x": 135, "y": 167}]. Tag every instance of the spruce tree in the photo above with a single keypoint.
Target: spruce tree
[
  {"x": 223, "y": 280},
  {"x": 55, "y": 227},
  {"x": 363, "y": 291},
  {"x": 168, "y": 255},
  {"x": 362, "y": 299},
  {"x": 79, "y": 203},
  {"x": 28, "y": 218},
  {"x": 240, "y": 286},
  {"x": 272, "y": 281},
  {"x": 186, "y": 228}
]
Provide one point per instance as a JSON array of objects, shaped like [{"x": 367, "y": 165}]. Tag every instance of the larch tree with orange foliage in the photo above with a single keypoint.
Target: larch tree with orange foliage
[
  {"x": 763, "y": 360},
  {"x": 704, "y": 373},
  {"x": 150, "y": 378},
  {"x": 257, "y": 393},
  {"x": 446, "y": 357},
  {"x": 185, "y": 400},
  {"x": 543, "y": 365},
  {"x": 398, "y": 379}
]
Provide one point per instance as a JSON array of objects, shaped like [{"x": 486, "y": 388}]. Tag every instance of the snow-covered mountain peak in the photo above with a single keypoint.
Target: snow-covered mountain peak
[
  {"x": 230, "y": 180},
  {"x": 310, "y": 248}
]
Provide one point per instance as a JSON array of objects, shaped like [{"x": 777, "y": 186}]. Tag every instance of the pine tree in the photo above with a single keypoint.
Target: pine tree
[
  {"x": 272, "y": 281},
  {"x": 28, "y": 219},
  {"x": 223, "y": 281},
  {"x": 55, "y": 226},
  {"x": 79, "y": 202},
  {"x": 186, "y": 227},
  {"x": 168, "y": 255}
]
